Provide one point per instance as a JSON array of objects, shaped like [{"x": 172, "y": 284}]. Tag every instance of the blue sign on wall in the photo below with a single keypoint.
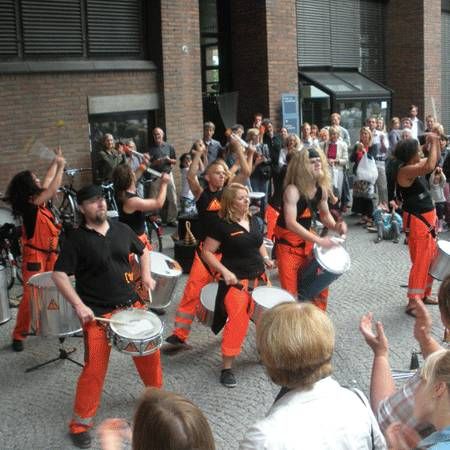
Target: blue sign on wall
[{"x": 289, "y": 111}]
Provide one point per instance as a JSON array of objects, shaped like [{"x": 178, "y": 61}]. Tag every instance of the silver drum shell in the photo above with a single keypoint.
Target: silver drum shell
[
  {"x": 440, "y": 267},
  {"x": 166, "y": 280},
  {"x": 5, "y": 310}
]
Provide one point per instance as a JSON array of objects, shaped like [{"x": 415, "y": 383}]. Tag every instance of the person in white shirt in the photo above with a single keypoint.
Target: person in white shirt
[
  {"x": 296, "y": 343},
  {"x": 417, "y": 125}
]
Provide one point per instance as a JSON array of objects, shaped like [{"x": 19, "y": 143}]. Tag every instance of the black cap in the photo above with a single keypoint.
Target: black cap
[
  {"x": 313, "y": 153},
  {"x": 88, "y": 192}
]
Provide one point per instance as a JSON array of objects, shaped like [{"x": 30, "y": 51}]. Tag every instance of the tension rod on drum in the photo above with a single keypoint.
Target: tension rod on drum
[{"x": 63, "y": 354}]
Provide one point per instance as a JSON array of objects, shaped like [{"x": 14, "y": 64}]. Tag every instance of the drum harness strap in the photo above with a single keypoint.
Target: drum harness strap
[
  {"x": 43, "y": 250},
  {"x": 431, "y": 229}
]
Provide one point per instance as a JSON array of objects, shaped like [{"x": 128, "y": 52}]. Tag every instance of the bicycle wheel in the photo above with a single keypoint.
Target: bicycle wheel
[
  {"x": 154, "y": 232},
  {"x": 66, "y": 208}
]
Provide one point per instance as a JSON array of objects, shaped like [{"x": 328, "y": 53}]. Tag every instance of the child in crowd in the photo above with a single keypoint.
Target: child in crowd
[
  {"x": 437, "y": 185},
  {"x": 187, "y": 200},
  {"x": 388, "y": 224}
]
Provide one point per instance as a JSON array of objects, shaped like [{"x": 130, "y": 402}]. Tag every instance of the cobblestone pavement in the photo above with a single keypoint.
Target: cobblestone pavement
[{"x": 35, "y": 407}]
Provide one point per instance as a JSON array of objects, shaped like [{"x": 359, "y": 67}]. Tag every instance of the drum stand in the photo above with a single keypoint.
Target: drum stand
[{"x": 63, "y": 354}]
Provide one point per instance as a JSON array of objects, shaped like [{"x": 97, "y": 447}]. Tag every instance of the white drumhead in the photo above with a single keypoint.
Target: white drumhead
[
  {"x": 208, "y": 296},
  {"x": 271, "y": 296},
  {"x": 444, "y": 246},
  {"x": 335, "y": 259},
  {"x": 256, "y": 195},
  {"x": 6, "y": 216},
  {"x": 44, "y": 280},
  {"x": 139, "y": 324},
  {"x": 163, "y": 265}
]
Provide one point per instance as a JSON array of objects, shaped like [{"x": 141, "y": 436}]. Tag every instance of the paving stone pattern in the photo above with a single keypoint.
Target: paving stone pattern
[{"x": 35, "y": 407}]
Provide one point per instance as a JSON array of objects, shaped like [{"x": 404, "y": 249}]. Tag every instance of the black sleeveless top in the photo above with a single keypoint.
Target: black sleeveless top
[
  {"x": 136, "y": 220},
  {"x": 208, "y": 205},
  {"x": 302, "y": 205},
  {"x": 416, "y": 198}
]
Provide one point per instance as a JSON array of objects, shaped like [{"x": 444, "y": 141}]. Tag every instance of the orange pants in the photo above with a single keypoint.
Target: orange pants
[
  {"x": 290, "y": 261},
  {"x": 199, "y": 277},
  {"x": 239, "y": 306},
  {"x": 39, "y": 262},
  {"x": 271, "y": 220},
  {"x": 96, "y": 358},
  {"x": 422, "y": 251}
]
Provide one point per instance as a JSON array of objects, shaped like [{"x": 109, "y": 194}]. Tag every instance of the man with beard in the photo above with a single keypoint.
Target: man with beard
[
  {"x": 97, "y": 254},
  {"x": 307, "y": 184}
]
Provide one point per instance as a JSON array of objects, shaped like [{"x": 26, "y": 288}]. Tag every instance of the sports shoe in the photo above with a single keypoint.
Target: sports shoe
[
  {"x": 174, "y": 344},
  {"x": 227, "y": 378},
  {"x": 378, "y": 240},
  {"x": 17, "y": 345},
  {"x": 81, "y": 440}
]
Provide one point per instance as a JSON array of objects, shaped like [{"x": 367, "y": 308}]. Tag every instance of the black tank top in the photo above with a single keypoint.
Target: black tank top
[
  {"x": 302, "y": 205},
  {"x": 136, "y": 220},
  {"x": 208, "y": 205},
  {"x": 416, "y": 198}
]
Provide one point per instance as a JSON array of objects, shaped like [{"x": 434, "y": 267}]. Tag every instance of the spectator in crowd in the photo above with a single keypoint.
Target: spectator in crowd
[
  {"x": 380, "y": 144},
  {"x": 296, "y": 343},
  {"x": 238, "y": 130},
  {"x": 274, "y": 143},
  {"x": 262, "y": 168},
  {"x": 257, "y": 120},
  {"x": 437, "y": 184},
  {"x": 335, "y": 121},
  {"x": 162, "y": 159},
  {"x": 163, "y": 420},
  {"x": 315, "y": 132},
  {"x": 324, "y": 137},
  {"x": 187, "y": 199},
  {"x": 363, "y": 191},
  {"x": 387, "y": 223},
  {"x": 394, "y": 134},
  {"x": 211, "y": 144},
  {"x": 406, "y": 123},
  {"x": 108, "y": 159},
  {"x": 293, "y": 145},
  {"x": 417, "y": 126},
  {"x": 307, "y": 139},
  {"x": 283, "y": 136},
  {"x": 430, "y": 122},
  {"x": 336, "y": 152},
  {"x": 381, "y": 125}
]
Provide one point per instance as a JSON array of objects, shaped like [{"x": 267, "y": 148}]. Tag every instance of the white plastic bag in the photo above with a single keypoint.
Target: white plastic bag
[
  {"x": 334, "y": 172},
  {"x": 367, "y": 170}
]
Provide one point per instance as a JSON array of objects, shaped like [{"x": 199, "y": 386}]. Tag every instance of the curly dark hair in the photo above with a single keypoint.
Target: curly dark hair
[
  {"x": 404, "y": 151},
  {"x": 122, "y": 178},
  {"x": 21, "y": 189}
]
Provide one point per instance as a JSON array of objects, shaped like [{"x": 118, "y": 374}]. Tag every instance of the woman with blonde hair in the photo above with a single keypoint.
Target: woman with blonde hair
[
  {"x": 296, "y": 344},
  {"x": 163, "y": 421},
  {"x": 307, "y": 184},
  {"x": 244, "y": 259}
]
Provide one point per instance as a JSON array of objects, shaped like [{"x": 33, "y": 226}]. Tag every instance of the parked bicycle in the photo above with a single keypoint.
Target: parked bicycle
[{"x": 10, "y": 254}]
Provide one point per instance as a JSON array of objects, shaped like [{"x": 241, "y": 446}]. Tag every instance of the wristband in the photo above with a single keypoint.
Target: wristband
[{"x": 266, "y": 258}]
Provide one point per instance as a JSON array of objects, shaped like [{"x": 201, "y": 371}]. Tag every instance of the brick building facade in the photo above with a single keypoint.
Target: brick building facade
[{"x": 262, "y": 40}]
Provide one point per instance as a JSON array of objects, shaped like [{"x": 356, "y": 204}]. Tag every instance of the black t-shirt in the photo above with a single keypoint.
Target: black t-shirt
[
  {"x": 135, "y": 220},
  {"x": 239, "y": 247},
  {"x": 101, "y": 266},
  {"x": 208, "y": 205}
]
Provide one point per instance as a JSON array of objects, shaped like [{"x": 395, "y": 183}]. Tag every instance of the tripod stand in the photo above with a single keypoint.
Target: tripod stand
[{"x": 63, "y": 354}]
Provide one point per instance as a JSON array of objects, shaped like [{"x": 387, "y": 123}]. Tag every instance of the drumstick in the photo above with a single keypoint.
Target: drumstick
[
  {"x": 104, "y": 319},
  {"x": 268, "y": 282}
]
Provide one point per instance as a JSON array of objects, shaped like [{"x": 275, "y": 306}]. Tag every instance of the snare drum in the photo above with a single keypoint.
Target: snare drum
[
  {"x": 51, "y": 313},
  {"x": 5, "y": 311},
  {"x": 327, "y": 266},
  {"x": 139, "y": 335},
  {"x": 205, "y": 309},
  {"x": 165, "y": 271},
  {"x": 266, "y": 297},
  {"x": 440, "y": 267}
]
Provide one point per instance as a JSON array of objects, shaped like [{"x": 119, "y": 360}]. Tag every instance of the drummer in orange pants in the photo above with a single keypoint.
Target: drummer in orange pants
[
  {"x": 307, "y": 183},
  {"x": 408, "y": 170},
  {"x": 244, "y": 258},
  {"x": 208, "y": 204},
  {"x": 97, "y": 253},
  {"x": 40, "y": 232}
]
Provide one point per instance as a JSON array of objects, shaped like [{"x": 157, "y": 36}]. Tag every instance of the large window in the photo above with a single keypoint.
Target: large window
[{"x": 72, "y": 29}]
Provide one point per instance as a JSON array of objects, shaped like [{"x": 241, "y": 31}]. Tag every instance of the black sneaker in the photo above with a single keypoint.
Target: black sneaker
[
  {"x": 158, "y": 311},
  {"x": 174, "y": 344},
  {"x": 227, "y": 378},
  {"x": 17, "y": 345},
  {"x": 378, "y": 240},
  {"x": 81, "y": 440}
]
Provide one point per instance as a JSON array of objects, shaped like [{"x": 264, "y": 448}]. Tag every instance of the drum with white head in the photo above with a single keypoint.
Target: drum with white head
[
  {"x": 205, "y": 309},
  {"x": 266, "y": 297},
  {"x": 440, "y": 267},
  {"x": 51, "y": 313},
  {"x": 135, "y": 331},
  {"x": 166, "y": 272}
]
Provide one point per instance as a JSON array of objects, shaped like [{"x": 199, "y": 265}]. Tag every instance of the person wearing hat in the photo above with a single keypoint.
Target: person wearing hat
[
  {"x": 307, "y": 184},
  {"x": 97, "y": 254},
  {"x": 28, "y": 196}
]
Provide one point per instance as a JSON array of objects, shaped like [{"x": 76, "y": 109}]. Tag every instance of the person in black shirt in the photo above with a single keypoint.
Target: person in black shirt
[
  {"x": 244, "y": 258},
  {"x": 97, "y": 254}
]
